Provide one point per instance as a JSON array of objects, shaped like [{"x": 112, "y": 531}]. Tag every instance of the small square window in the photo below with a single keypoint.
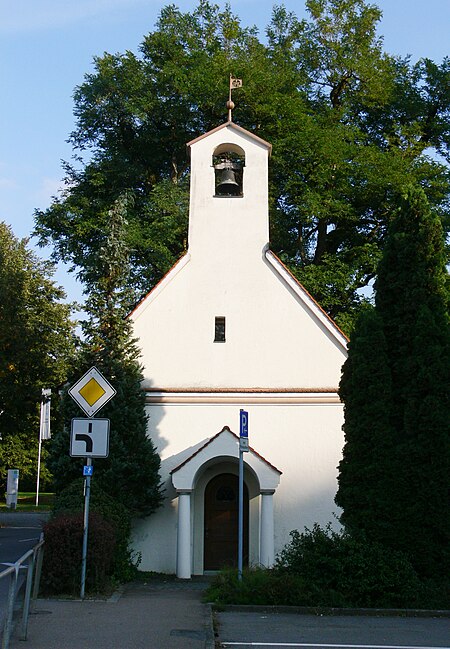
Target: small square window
[{"x": 219, "y": 330}]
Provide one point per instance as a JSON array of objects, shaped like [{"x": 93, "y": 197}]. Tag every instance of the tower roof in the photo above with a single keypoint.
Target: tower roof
[{"x": 235, "y": 127}]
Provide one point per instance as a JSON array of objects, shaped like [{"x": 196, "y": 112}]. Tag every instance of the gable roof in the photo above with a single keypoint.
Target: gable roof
[
  {"x": 301, "y": 292},
  {"x": 220, "y": 447},
  {"x": 214, "y": 438},
  {"x": 236, "y": 128},
  {"x": 159, "y": 286}
]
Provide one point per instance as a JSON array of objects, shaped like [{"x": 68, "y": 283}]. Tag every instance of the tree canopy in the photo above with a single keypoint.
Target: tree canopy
[
  {"x": 393, "y": 480},
  {"x": 37, "y": 343},
  {"x": 349, "y": 125},
  {"x": 130, "y": 474}
]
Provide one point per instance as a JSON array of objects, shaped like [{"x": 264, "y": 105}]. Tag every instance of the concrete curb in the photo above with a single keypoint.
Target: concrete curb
[
  {"x": 323, "y": 610},
  {"x": 210, "y": 640}
]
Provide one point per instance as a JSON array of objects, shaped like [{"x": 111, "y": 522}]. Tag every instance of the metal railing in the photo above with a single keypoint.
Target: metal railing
[{"x": 33, "y": 574}]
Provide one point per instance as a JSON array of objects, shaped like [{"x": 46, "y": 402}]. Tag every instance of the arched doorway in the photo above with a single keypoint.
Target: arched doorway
[{"x": 221, "y": 522}]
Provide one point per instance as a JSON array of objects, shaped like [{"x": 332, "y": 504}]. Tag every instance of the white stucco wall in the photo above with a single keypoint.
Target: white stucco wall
[
  {"x": 303, "y": 441},
  {"x": 272, "y": 341}
]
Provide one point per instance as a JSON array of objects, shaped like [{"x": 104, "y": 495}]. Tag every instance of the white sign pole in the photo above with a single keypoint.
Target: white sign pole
[
  {"x": 44, "y": 432},
  {"x": 38, "y": 470}
]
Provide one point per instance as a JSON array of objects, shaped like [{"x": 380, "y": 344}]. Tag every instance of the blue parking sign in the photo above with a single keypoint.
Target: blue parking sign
[{"x": 243, "y": 423}]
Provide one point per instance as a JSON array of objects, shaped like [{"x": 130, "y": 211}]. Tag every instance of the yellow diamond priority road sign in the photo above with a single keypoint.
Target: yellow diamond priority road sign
[{"x": 92, "y": 391}]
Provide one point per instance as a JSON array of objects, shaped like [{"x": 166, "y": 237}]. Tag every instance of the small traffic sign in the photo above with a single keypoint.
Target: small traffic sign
[
  {"x": 92, "y": 391},
  {"x": 243, "y": 419},
  {"x": 88, "y": 470},
  {"x": 89, "y": 438},
  {"x": 243, "y": 444}
]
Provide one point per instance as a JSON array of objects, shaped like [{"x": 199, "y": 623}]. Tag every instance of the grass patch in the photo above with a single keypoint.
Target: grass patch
[
  {"x": 149, "y": 576},
  {"x": 163, "y": 577},
  {"x": 26, "y": 502}
]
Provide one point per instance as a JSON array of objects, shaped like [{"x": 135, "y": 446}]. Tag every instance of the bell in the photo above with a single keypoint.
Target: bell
[{"x": 227, "y": 185}]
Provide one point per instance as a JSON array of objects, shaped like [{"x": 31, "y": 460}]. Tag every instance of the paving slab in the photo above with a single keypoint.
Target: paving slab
[{"x": 143, "y": 616}]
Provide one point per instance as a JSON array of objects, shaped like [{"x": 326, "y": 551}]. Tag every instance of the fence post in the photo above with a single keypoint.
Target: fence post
[
  {"x": 10, "y": 607},
  {"x": 26, "y": 599},
  {"x": 37, "y": 576}
]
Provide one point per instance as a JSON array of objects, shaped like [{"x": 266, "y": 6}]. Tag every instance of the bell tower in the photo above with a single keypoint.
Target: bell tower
[{"x": 228, "y": 208}]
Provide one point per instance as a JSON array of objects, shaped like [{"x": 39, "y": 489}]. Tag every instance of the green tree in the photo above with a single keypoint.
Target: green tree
[
  {"x": 349, "y": 126},
  {"x": 131, "y": 472},
  {"x": 396, "y": 386},
  {"x": 37, "y": 344},
  {"x": 365, "y": 389}
]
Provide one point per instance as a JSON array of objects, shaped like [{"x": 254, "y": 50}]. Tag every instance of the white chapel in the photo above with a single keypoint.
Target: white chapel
[{"x": 230, "y": 328}]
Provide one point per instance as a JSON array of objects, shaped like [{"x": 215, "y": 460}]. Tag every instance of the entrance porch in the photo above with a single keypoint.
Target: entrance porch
[{"x": 206, "y": 485}]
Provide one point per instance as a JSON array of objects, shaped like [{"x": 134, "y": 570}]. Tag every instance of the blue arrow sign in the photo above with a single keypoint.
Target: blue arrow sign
[
  {"x": 88, "y": 470},
  {"x": 243, "y": 417}
]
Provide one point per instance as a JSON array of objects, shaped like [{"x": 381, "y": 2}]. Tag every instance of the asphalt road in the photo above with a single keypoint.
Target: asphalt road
[
  {"x": 239, "y": 630},
  {"x": 15, "y": 541}
]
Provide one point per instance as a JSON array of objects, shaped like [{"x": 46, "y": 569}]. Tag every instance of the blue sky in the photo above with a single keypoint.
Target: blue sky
[{"x": 46, "y": 47}]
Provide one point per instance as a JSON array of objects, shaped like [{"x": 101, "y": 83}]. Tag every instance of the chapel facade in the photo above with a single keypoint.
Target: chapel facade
[{"x": 230, "y": 328}]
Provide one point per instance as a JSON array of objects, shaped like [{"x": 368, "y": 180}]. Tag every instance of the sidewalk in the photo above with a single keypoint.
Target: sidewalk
[{"x": 153, "y": 615}]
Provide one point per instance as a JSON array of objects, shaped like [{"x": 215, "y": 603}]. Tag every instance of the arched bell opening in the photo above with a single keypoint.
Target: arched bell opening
[{"x": 228, "y": 163}]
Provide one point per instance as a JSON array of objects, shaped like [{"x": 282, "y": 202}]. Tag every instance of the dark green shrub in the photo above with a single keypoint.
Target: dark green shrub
[
  {"x": 71, "y": 500},
  {"x": 312, "y": 555},
  {"x": 349, "y": 571},
  {"x": 436, "y": 592},
  {"x": 63, "y": 553},
  {"x": 322, "y": 568}
]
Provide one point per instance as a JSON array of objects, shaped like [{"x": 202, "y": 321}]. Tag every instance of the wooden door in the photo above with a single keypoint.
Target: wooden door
[{"x": 221, "y": 523}]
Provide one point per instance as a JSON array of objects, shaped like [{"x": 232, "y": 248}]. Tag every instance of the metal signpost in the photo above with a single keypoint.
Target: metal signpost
[
  {"x": 243, "y": 448},
  {"x": 89, "y": 438}
]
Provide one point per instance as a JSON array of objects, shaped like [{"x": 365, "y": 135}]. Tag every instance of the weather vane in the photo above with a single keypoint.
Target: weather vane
[{"x": 234, "y": 83}]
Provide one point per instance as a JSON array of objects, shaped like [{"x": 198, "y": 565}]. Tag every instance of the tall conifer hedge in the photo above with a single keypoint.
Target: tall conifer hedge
[{"x": 394, "y": 475}]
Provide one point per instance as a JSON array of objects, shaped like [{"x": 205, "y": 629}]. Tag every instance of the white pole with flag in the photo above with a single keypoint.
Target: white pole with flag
[{"x": 44, "y": 432}]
